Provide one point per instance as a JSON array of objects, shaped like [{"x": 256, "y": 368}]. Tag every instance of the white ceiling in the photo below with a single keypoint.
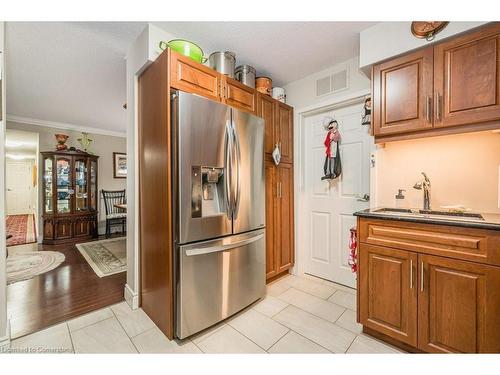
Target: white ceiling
[
  {"x": 69, "y": 72},
  {"x": 284, "y": 51},
  {"x": 74, "y": 72}
]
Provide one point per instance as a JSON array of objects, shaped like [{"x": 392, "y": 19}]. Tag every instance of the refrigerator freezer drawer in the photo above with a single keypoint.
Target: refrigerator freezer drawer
[{"x": 217, "y": 279}]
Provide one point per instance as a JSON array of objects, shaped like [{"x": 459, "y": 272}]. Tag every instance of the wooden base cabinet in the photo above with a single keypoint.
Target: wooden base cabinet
[
  {"x": 279, "y": 219},
  {"x": 434, "y": 304},
  {"x": 459, "y": 306},
  {"x": 388, "y": 292}
]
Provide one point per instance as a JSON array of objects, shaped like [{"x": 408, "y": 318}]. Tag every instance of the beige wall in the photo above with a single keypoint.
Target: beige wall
[
  {"x": 463, "y": 169},
  {"x": 102, "y": 145}
]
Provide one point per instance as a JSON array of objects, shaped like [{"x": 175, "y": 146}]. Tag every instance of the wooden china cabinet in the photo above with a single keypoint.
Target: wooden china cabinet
[{"x": 70, "y": 196}]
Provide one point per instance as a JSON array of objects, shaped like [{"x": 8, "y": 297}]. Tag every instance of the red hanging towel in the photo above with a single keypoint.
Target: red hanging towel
[{"x": 353, "y": 253}]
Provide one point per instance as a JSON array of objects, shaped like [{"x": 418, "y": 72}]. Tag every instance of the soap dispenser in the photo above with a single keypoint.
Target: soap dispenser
[{"x": 400, "y": 199}]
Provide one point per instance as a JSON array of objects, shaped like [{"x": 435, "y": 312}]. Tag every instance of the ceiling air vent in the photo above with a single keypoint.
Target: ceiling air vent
[{"x": 338, "y": 81}]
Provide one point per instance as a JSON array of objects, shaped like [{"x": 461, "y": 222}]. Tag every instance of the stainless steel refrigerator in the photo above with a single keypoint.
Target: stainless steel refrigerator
[{"x": 219, "y": 182}]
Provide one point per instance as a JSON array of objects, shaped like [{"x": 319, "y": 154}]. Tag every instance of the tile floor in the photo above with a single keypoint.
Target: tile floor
[{"x": 298, "y": 315}]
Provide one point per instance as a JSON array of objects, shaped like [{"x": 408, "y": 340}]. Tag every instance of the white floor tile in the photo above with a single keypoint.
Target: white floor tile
[
  {"x": 199, "y": 337},
  {"x": 133, "y": 321},
  {"x": 348, "y": 321},
  {"x": 293, "y": 343},
  {"x": 315, "y": 305},
  {"x": 228, "y": 340},
  {"x": 270, "y": 306},
  {"x": 276, "y": 288},
  {"x": 107, "y": 336},
  {"x": 345, "y": 299},
  {"x": 154, "y": 341},
  {"x": 339, "y": 286},
  {"x": 365, "y": 345},
  {"x": 259, "y": 328},
  {"x": 326, "y": 334},
  {"x": 315, "y": 288},
  {"x": 54, "y": 339},
  {"x": 89, "y": 319}
]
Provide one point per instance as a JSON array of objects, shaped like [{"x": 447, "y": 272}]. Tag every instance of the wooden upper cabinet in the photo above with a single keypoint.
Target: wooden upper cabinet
[
  {"x": 285, "y": 224},
  {"x": 388, "y": 292},
  {"x": 239, "y": 95},
  {"x": 190, "y": 76},
  {"x": 402, "y": 94},
  {"x": 271, "y": 219},
  {"x": 284, "y": 128},
  {"x": 467, "y": 78},
  {"x": 459, "y": 306},
  {"x": 267, "y": 110}
]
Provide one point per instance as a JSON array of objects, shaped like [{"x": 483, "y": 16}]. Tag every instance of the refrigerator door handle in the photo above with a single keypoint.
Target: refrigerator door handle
[
  {"x": 228, "y": 145},
  {"x": 238, "y": 170},
  {"x": 216, "y": 249}
]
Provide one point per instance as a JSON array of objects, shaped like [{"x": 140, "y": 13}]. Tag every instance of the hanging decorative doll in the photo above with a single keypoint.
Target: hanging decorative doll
[
  {"x": 367, "y": 117},
  {"x": 333, "y": 166}
]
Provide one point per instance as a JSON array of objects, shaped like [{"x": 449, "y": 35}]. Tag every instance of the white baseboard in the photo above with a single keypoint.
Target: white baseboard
[
  {"x": 131, "y": 297},
  {"x": 5, "y": 340}
]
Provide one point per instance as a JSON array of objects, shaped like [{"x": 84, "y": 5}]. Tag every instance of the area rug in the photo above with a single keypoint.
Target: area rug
[
  {"x": 24, "y": 266},
  {"x": 106, "y": 257},
  {"x": 22, "y": 229}
]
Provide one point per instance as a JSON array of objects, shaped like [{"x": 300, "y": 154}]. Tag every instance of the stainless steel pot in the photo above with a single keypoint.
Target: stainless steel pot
[
  {"x": 246, "y": 75},
  {"x": 223, "y": 62}
]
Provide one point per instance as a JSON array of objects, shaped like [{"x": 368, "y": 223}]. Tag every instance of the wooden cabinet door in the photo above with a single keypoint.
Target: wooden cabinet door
[
  {"x": 459, "y": 306},
  {"x": 267, "y": 110},
  {"x": 402, "y": 94},
  {"x": 467, "y": 78},
  {"x": 285, "y": 229},
  {"x": 388, "y": 292},
  {"x": 238, "y": 95},
  {"x": 272, "y": 228},
  {"x": 64, "y": 228},
  {"x": 189, "y": 76},
  {"x": 284, "y": 132}
]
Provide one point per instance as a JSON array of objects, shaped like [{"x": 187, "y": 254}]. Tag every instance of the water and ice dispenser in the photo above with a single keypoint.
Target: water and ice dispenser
[{"x": 207, "y": 191}]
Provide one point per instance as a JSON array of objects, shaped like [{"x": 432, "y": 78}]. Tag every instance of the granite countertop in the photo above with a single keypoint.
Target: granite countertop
[{"x": 491, "y": 220}]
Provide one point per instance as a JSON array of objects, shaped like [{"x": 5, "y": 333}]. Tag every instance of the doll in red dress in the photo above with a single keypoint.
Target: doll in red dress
[{"x": 333, "y": 166}]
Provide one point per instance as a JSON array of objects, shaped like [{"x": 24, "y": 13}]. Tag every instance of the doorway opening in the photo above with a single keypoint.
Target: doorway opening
[{"x": 21, "y": 166}]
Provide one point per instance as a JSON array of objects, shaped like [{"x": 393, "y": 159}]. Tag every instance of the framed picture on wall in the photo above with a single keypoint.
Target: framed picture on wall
[{"x": 119, "y": 165}]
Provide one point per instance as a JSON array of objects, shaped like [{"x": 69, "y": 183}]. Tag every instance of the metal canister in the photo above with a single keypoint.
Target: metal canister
[
  {"x": 223, "y": 62},
  {"x": 246, "y": 75},
  {"x": 278, "y": 93}
]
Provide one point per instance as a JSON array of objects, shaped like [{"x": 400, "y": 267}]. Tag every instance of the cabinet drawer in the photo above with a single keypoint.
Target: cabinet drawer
[{"x": 455, "y": 242}]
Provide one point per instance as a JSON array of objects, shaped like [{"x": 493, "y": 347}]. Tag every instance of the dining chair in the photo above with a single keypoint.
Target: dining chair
[{"x": 114, "y": 216}]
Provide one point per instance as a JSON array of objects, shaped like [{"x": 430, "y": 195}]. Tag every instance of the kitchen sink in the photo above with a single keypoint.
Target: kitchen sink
[{"x": 431, "y": 214}]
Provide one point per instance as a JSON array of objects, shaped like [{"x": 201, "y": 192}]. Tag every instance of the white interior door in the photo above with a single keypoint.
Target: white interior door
[
  {"x": 19, "y": 187},
  {"x": 330, "y": 204}
]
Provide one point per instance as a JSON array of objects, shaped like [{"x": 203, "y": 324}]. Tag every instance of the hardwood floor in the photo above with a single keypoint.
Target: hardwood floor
[{"x": 70, "y": 290}]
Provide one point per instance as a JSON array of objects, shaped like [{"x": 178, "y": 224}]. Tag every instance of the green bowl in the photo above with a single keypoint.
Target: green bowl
[{"x": 186, "y": 48}]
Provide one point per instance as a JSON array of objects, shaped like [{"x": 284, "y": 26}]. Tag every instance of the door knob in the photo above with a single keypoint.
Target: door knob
[{"x": 363, "y": 197}]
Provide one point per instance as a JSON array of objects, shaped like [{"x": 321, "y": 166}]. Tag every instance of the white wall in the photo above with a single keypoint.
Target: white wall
[
  {"x": 463, "y": 169},
  {"x": 388, "y": 39},
  {"x": 102, "y": 146},
  {"x": 302, "y": 93},
  {"x": 140, "y": 54},
  {"x": 4, "y": 331}
]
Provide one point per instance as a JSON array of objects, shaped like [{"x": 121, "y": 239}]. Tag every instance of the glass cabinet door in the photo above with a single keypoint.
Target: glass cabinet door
[
  {"x": 63, "y": 182},
  {"x": 48, "y": 188},
  {"x": 81, "y": 185},
  {"x": 93, "y": 185}
]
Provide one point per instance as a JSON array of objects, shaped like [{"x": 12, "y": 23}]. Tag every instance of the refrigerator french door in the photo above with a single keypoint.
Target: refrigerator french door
[{"x": 220, "y": 211}]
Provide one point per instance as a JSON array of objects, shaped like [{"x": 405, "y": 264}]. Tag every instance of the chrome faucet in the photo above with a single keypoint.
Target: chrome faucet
[{"x": 425, "y": 185}]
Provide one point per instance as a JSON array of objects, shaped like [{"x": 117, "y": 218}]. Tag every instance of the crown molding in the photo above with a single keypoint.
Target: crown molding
[{"x": 64, "y": 126}]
